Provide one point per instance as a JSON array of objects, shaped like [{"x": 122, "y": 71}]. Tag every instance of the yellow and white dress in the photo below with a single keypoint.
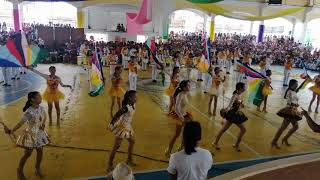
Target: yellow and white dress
[
  {"x": 34, "y": 136},
  {"x": 122, "y": 127},
  {"x": 217, "y": 86}
]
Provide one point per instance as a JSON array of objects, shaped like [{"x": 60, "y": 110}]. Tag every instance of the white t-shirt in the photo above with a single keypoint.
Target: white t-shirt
[{"x": 191, "y": 167}]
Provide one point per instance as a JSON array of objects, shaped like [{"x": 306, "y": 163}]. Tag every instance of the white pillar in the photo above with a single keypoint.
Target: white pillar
[
  {"x": 251, "y": 27},
  {"x": 205, "y": 18},
  {"x": 300, "y": 28}
]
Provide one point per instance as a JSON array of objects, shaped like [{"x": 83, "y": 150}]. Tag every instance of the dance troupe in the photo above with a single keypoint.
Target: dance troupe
[{"x": 34, "y": 137}]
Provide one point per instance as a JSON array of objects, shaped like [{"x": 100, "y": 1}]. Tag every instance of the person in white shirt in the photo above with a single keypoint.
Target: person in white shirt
[
  {"x": 290, "y": 114},
  {"x": 192, "y": 163}
]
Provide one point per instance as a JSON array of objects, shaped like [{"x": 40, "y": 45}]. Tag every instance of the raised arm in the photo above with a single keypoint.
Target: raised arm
[{"x": 45, "y": 76}]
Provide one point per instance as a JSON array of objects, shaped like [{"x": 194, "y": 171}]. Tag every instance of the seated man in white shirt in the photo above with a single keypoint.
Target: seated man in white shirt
[{"x": 192, "y": 163}]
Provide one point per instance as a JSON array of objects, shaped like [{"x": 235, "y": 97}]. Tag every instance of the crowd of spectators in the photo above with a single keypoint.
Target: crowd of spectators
[{"x": 274, "y": 47}]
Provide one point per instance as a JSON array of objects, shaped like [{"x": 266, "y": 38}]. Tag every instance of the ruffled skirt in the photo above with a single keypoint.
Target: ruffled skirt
[
  {"x": 53, "y": 96},
  {"x": 216, "y": 91},
  {"x": 119, "y": 130},
  {"x": 116, "y": 92},
  {"x": 170, "y": 91},
  {"x": 174, "y": 116},
  {"x": 290, "y": 112},
  {"x": 266, "y": 91},
  {"x": 31, "y": 140},
  {"x": 315, "y": 90},
  {"x": 234, "y": 116}
]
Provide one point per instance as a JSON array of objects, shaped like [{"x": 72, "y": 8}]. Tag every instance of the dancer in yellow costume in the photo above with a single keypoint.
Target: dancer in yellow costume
[
  {"x": 52, "y": 94},
  {"x": 116, "y": 92},
  {"x": 175, "y": 80},
  {"x": 316, "y": 93},
  {"x": 266, "y": 91}
]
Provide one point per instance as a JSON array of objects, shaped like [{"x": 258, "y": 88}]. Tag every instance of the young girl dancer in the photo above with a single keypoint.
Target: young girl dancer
[
  {"x": 233, "y": 115},
  {"x": 112, "y": 59},
  {"x": 34, "y": 136},
  {"x": 52, "y": 94},
  {"x": 181, "y": 115},
  {"x": 266, "y": 91},
  {"x": 120, "y": 126},
  {"x": 290, "y": 114},
  {"x": 116, "y": 92},
  {"x": 174, "y": 82},
  {"x": 216, "y": 90},
  {"x": 133, "y": 73},
  {"x": 316, "y": 93}
]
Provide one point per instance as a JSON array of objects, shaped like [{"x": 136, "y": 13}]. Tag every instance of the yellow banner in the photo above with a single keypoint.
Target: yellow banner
[{"x": 216, "y": 9}]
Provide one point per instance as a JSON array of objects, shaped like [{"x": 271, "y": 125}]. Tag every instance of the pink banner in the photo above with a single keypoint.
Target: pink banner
[
  {"x": 132, "y": 27},
  {"x": 135, "y": 21},
  {"x": 16, "y": 20}
]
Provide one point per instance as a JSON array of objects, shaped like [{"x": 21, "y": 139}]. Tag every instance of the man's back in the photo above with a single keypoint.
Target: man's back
[{"x": 191, "y": 167}]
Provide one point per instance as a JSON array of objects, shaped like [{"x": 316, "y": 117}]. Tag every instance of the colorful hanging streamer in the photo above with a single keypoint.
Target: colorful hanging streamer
[
  {"x": 96, "y": 77},
  {"x": 18, "y": 53}
]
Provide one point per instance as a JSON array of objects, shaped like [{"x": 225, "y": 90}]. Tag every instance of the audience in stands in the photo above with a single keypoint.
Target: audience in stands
[
  {"x": 121, "y": 28},
  {"x": 275, "y": 48},
  {"x": 192, "y": 163}
]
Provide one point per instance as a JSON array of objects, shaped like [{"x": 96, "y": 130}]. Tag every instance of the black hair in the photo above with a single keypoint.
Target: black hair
[
  {"x": 239, "y": 85},
  {"x": 268, "y": 71},
  {"x": 291, "y": 83},
  {"x": 174, "y": 71},
  {"x": 31, "y": 95},
  {"x": 180, "y": 88},
  {"x": 191, "y": 136},
  {"x": 127, "y": 96},
  {"x": 52, "y": 67},
  {"x": 216, "y": 69},
  {"x": 117, "y": 68}
]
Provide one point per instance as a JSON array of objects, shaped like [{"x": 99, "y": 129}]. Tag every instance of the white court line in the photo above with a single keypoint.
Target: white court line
[{"x": 228, "y": 132}]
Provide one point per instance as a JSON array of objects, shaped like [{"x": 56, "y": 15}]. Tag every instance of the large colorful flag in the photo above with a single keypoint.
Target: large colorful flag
[
  {"x": 18, "y": 53},
  {"x": 255, "y": 83},
  {"x": 248, "y": 71},
  {"x": 204, "y": 63},
  {"x": 151, "y": 46},
  {"x": 96, "y": 77}
]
